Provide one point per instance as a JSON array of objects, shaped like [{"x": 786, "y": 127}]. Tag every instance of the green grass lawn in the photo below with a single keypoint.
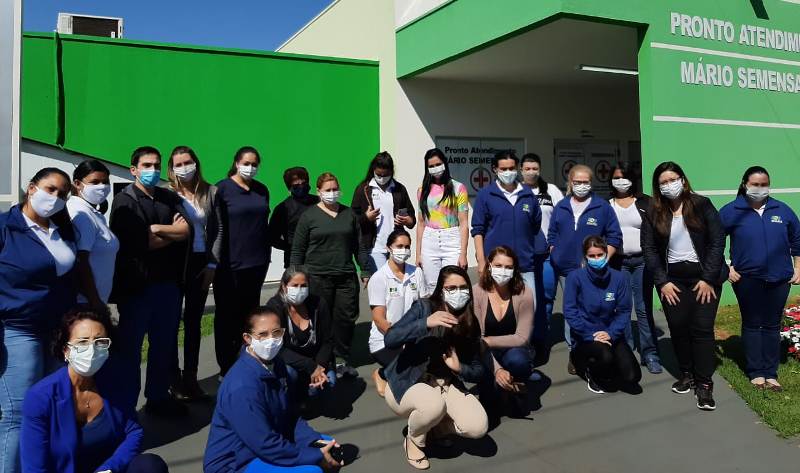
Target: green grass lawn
[
  {"x": 206, "y": 329},
  {"x": 781, "y": 411}
]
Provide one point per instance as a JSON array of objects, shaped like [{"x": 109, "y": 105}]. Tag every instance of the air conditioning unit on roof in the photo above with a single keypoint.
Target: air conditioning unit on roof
[{"x": 106, "y": 26}]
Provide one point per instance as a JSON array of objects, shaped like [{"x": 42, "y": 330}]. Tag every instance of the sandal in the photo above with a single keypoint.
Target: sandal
[
  {"x": 758, "y": 383},
  {"x": 418, "y": 463},
  {"x": 773, "y": 385}
]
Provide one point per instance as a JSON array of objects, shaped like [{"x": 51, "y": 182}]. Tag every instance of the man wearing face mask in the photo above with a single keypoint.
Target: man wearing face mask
[
  {"x": 764, "y": 244},
  {"x": 255, "y": 427},
  {"x": 151, "y": 225},
  {"x": 286, "y": 214}
]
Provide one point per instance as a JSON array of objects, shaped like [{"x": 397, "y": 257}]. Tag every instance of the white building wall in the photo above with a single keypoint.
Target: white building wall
[{"x": 407, "y": 11}]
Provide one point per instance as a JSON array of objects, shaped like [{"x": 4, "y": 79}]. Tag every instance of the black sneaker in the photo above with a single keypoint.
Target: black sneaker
[
  {"x": 705, "y": 398},
  {"x": 592, "y": 386},
  {"x": 169, "y": 408},
  {"x": 684, "y": 384}
]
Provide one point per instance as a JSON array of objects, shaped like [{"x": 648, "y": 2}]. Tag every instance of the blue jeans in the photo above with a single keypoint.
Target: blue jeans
[
  {"x": 562, "y": 281},
  {"x": 641, "y": 287},
  {"x": 761, "y": 304},
  {"x": 258, "y": 466},
  {"x": 544, "y": 279},
  {"x": 300, "y": 381},
  {"x": 24, "y": 360},
  {"x": 516, "y": 361},
  {"x": 156, "y": 311}
]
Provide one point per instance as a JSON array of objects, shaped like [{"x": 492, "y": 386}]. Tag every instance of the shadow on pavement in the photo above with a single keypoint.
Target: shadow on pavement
[
  {"x": 337, "y": 403},
  {"x": 483, "y": 447}
]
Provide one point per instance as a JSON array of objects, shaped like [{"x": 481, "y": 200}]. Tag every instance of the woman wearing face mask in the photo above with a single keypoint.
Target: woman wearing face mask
[
  {"x": 441, "y": 350},
  {"x": 326, "y": 241},
  {"x": 580, "y": 215},
  {"x": 382, "y": 205},
  {"x": 548, "y": 195},
  {"x": 504, "y": 309},
  {"x": 443, "y": 210},
  {"x": 683, "y": 243},
  {"x": 765, "y": 239},
  {"x": 37, "y": 253},
  {"x": 199, "y": 201},
  {"x": 80, "y": 419},
  {"x": 597, "y": 305},
  {"x": 630, "y": 205},
  {"x": 392, "y": 290},
  {"x": 243, "y": 208},
  {"x": 256, "y": 428},
  {"x": 97, "y": 245},
  {"x": 308, "y": 339},
  {"x": 283, "y": 222}
]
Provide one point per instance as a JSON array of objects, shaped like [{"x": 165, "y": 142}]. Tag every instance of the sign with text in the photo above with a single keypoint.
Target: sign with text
[{"x": 470, "y": 159}]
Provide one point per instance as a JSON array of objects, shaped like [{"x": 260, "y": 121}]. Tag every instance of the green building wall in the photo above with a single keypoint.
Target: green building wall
[{"x": 105, "y": 97}]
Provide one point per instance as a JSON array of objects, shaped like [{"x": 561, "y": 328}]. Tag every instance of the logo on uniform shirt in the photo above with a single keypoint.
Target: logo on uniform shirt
[
  {"x": 776, "y": 219},
  {"x": 526, "y": 208},
  {"x": 413, "y": 286},
  {"x": 393, "y": 291},
  {"x": 610, "y": 297},
  {"x": 593, "y": 222}
]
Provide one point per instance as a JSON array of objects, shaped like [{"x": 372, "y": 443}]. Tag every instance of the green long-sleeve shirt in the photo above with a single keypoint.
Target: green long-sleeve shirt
[{"x": 327, "y": 245}]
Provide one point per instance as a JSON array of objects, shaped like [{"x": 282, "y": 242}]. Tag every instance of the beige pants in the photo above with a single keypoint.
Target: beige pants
[{"x": 427, "y": 406}]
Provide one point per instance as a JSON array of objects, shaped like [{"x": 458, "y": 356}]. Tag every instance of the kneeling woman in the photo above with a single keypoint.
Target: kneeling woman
[
  {"x": 504, "y": 309},
  {"x": 308, "y": 337},
  {"x": 255, "y": 429},
  {"x": 597, "y": 306},
  {"x": 81, "y": 419},
  {"x": 441, "y": 349}
]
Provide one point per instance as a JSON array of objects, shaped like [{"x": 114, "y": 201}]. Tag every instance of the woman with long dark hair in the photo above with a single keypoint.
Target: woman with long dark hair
[
  {"x": 96, "y": 243},
  {"x": 443, "y": 212},
  {"x": 630, "y": 205},
  {"x": 683, "y": 242},
  {"x": 441, "y": 350},
  {"x": 382, "y": 205},
  {"x": 37, "y": 254},
  {"x": 765, "y": 239},
  {"x": 243, "y": 206},
  {"x": 199, "y": 200}
]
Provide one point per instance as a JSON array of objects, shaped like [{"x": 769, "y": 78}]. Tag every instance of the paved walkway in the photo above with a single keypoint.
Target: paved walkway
[{"x": 573, "y": 431}]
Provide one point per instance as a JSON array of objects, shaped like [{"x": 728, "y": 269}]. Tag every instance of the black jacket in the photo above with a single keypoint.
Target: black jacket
[
  {"x": 362, "y": 199},
  {"x": 283, "y": 223},
  {"x": 708, "y": 244},
  {"x": 306, "y": 359}
]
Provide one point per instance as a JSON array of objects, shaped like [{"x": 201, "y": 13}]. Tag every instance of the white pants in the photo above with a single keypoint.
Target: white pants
[{"x": 439, "y": 248}]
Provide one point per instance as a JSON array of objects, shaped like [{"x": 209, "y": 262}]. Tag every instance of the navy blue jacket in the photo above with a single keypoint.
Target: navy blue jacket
[
  {"x": 500, "y": 223},
  {"x": 422, "y": 347},
  {"x": 567, "y": 241},
  {"x": 32, "y": 296},
  {"x": 254, "y": 419},
  {"x": 49, "y": 438},
  {"x": 762, "y": 246},
  {"x": 597, "y": 301}
]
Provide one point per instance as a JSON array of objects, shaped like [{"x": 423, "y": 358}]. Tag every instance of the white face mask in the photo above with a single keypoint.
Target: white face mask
[
  {"x": 382, "y": 180},
  {"x": 507, "y": 177},
  {"x": 187, "y": 171},
  {"x": 266, "y": 349},
  {"x": 757, "y": 194},
  {"x": 621, "y": 184},
  {"x": 330, "y": 197},
  {"x": 457, "y": 298},
  {"x": 95, "y": 194},
  {"x": 502, "y": 275},
  {"x": 296, "y": 295},
  {"x": 46, "y": 205},
  {"x": 672, "y": 190},
  {"x": 88, "y": 362},
  {"x": 530, "y": 175},
  {"x": 400, "y": 255},
  {"x": 436, "y": 171},
  {"x": 248, "y": 171},
  {"x": 581, "y": 190}
]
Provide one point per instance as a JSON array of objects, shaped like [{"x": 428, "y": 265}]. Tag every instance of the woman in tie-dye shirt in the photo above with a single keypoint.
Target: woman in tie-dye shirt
[{"x": 443, "y": 211}]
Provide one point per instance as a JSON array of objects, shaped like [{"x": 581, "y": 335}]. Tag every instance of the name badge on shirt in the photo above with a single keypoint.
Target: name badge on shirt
[
  {"x": 591, "y": 221},
  {"x": 610, "y": 297},
  {"x": 394, "y": 292},
  {"x": 776, "y": 219}
]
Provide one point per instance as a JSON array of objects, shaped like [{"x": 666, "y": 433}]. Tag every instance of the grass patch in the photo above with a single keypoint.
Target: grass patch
[
  {"x": 781, "y": 411},
  {"x": 206, "y": 329}
]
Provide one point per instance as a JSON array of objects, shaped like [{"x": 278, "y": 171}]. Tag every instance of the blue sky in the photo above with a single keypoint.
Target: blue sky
[{"x": 249, "y": 24}]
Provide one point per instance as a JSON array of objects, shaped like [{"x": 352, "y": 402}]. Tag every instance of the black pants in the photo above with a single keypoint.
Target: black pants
[
  {"x": 147, "y": 463},
  {"x": 606, "y": 363},
  {"x": 691, "y": 324},
  {"x": 340, "y": 292},
  {"x": 194, "y": 304},
  {"x": 236, "y": 292}
]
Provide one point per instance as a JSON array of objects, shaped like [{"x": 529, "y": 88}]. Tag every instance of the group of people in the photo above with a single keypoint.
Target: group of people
[{"x": 68, "y": 399}]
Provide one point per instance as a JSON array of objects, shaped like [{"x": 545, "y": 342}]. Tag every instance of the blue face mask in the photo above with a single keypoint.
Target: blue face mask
[
  {"x": 599, "y": 263},
  {"x": 149, "y": 177}
]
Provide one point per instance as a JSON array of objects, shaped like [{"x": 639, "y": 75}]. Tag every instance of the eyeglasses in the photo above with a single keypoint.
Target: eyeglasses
[
  {"x": 277, "y": 333},
  {"x": 99, "y": 344}
]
